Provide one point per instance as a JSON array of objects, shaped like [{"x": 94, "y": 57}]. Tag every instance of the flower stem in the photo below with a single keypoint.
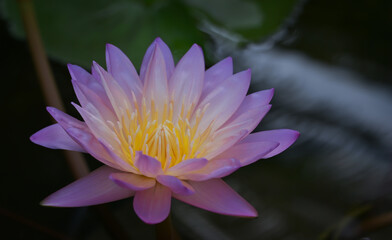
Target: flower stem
[
  {"x": 165, "y": 230},
  {"x": 75, "y": 160},
  {"x": 51, "y": 94}
]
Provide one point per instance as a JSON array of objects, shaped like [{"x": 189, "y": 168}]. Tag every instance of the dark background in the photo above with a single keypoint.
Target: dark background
[{"x": 330, "y": 64}]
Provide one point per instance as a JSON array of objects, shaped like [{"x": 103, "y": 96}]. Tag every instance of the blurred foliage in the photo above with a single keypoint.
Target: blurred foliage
[
  {"x": 76, "y": 31},
  {"x": 347, "y": 226}
]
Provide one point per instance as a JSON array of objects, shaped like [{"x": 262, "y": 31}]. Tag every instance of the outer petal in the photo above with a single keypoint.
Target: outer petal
[
  {"x": 55, "y": 137},
  {"x": 148, "y": 166},
  {"x": 153, "y": 205},
  {"x": 123, "y": 71},
  {"x": 254, "y": 107},
  {"x": 285, "y": 137},
  {"x": 133, "y": 181},
  {"x": 214, "y": 169},
  {"x": 187, "y": 166},
  {"x": 248, "y": 153},
  {"x": 225, "y": 141},
  {"x": 216, "y": 74},
  {"x": 81, "y": 134},
  {"x": 186, "y": 82},
  {"x": 65, "y": 120},
  {"x": 224, "y": 100},
  {"x": 92, "y": 146},
  {"x": 176, "y": 185},
  {"x": 216, "y": 196},
  {"x": 169, "y": 63},
  {"x": 95, "y": 188}
]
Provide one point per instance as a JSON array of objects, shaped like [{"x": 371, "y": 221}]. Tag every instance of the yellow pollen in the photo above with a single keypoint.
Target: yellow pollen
[{"x": 153, "y": 131}]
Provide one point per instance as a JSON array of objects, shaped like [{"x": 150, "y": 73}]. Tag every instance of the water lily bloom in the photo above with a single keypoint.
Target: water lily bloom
[{"x": 170, "y": 131}]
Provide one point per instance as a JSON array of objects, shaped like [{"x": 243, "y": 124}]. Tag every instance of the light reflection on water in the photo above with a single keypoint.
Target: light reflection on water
[
  {"x": 342, "y": 159},
  {"x": 347, "y": 114}
]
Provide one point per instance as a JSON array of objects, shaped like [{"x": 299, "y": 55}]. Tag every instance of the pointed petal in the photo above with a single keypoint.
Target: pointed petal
[
  {"x": 123, "y": 71},
  {"x": 249, "y": 114},
  {"x": 248, "y": 153},
  {"x": 285, "y": 138},
  {"x": 247, "y": 121},
  {"x": 89, "y": 139},
  {"x": 119, "y": 162},
  {"x": 216, "y": 196},
  {"x": 95, "y": 188},
  {"x": 187, "y": 166},
  {"x": 147, "y": 165},
  {"x": 214, "y": 169},
  {"x": 155, "y": 82},
  {"x": 133, "y": 181},
  {"x": 82, "y": 76},
  {"x": 186, "y": 82},
  {"x": 96, "y": 125},
  {"x": 88, "y": 97},
  {"x": 92, "y": 146},
  {"x": 65, "y": 120},
  {"x": 153, "y": 205},
  {"x": 118, "y": 98},
  {"x": 216, "y": 74},
  {"x": 264, "y": 96},
  {"x": 224, "y": 141},
  {"x": 176, "y": 185},
  {"x": 55, "y": 137},
  {"x": 81, "y": 134},
  {"x": 167, "y": 56},
  {"x": 224, "y": 100}
]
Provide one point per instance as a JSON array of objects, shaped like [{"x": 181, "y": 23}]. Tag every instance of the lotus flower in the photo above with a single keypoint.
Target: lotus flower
[{"x": 172, "y": 131}]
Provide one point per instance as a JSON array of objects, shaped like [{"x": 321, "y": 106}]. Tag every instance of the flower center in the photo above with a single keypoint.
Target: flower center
[{"x": 159, "y": 134}]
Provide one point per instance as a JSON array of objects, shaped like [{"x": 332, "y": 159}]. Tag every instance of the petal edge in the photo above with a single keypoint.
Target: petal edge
[
  {"x": 55, "y": 137},
  {"x": 95, "y": 188},
  {"x": 153, "y": 205},
  {"x": 216, "y": 196}
]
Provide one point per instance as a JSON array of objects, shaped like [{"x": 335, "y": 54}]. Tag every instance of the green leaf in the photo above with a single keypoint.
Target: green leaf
[{"x": 76, "y": 31}]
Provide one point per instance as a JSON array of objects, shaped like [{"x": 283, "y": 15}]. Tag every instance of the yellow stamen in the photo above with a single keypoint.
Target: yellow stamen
[{"x": 153, "y": 131}]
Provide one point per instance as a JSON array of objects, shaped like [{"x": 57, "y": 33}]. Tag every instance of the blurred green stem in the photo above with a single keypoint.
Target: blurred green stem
[
  {"x": 75, "y": 160},
  {"x": 51, "y": 94},
  {"x": 165, "y": 230}
]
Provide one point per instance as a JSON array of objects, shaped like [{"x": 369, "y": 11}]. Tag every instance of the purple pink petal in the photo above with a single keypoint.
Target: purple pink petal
[
  {"x": 169, "y": 63},
  {"x": 176, "y": 185},
  {"x": 186, "y": 83},
  {"x": 225, "y": 99},
  {"x": 250, "y": 152},
  {"x": 216, "y": 196},
  {"x": 95, "y": 188},
  {"x": 153, "y": 205},
  {"x": 123, "y": 71},
  {"x": 55, "y": 137},
  {"x": 285, "y": 138},
  {"x": 148, "y": 166},
  {"x": 132, "y": 181},
  {"x": 214, "y": 169}
]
